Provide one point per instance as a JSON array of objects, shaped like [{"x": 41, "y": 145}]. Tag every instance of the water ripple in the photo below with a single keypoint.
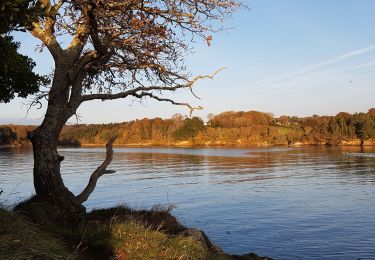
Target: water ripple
[{"x": 289, "y": 203}]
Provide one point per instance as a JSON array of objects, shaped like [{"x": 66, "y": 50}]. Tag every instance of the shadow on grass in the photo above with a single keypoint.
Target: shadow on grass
[{"x": 34, "y": 231}]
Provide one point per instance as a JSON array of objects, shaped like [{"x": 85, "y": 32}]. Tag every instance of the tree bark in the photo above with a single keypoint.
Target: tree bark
[
  {"x": 48, "y": 183},
  {"x": 47, "y": 177},
  {"x": 101, "y": 170}
]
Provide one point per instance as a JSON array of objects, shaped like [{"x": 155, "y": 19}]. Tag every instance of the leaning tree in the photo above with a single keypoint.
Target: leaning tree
[{"x": 116, "y": 49}]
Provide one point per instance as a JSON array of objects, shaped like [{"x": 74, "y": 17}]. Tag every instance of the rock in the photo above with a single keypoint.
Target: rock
[
  {"x": 250, "y": 256},
  {"x": 200, "y": 236}
]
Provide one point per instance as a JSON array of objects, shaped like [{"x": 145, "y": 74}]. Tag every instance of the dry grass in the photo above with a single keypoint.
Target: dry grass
[
  {"x": 134, "y": 241},
  {"x": 116, "y": 233}
]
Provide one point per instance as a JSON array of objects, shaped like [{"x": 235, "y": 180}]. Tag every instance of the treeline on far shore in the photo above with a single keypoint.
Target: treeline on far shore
[{"x": 228, "y": 128}]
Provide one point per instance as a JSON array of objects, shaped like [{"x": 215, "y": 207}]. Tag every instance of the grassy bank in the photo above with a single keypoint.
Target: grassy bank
[
  {"x": 22, "y": 239},
  {"x": 115, "y": 233}
]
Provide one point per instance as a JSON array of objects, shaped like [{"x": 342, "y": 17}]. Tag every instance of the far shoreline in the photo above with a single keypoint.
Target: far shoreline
[
  {"x": 369, "y": 143},
  {"x": 229, "y": 146}
]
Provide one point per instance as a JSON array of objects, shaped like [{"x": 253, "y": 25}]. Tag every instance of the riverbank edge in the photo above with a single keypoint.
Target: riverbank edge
[
  {"x": 259, "y": 145},
  {"x": 94, "y": 239},
  {"x": 190, "y": 144}
]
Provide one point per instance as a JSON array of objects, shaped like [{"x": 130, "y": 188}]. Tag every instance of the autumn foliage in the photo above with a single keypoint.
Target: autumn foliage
[
  {"x": 228, "y": 128},
  {"x": 231, "y": 128}
]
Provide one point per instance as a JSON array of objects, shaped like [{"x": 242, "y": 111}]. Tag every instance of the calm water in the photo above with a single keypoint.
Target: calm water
[{"x": 288, "y": 203}]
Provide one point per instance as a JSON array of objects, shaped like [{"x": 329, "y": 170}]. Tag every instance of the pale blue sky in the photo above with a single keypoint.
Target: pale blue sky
[{"x": 295, "y": 57}]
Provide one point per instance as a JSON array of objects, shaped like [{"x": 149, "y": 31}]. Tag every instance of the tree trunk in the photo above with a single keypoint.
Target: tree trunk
[
  {"x": 63, "y": 101},
  {"x": 47, "y": 177},
  {"x": 48, "y": 183}
]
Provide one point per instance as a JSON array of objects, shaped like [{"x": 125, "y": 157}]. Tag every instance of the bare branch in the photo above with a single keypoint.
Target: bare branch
[
  {"x": 44, "y": 29},
  {"x": 48, "y": 39},
  {"x": 195, "y": 79},
  {"x": 82, "y": 32},
  {"x": 101, "y": 170},
  {"x": 140, "y": 92},
  {"x": 191, "y": 108}
]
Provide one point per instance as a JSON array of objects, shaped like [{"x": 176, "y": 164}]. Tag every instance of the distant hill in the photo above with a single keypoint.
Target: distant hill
[{"x": 225, "y": 129}]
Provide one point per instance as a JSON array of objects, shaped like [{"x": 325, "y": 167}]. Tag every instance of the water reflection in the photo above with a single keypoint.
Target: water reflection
[{"x": 313, "y": 201}]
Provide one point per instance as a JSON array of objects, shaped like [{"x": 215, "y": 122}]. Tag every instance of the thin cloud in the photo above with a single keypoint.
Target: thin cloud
[
  {"x": 341, "y": 57},
  {"x": 315, "y": 70}
]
